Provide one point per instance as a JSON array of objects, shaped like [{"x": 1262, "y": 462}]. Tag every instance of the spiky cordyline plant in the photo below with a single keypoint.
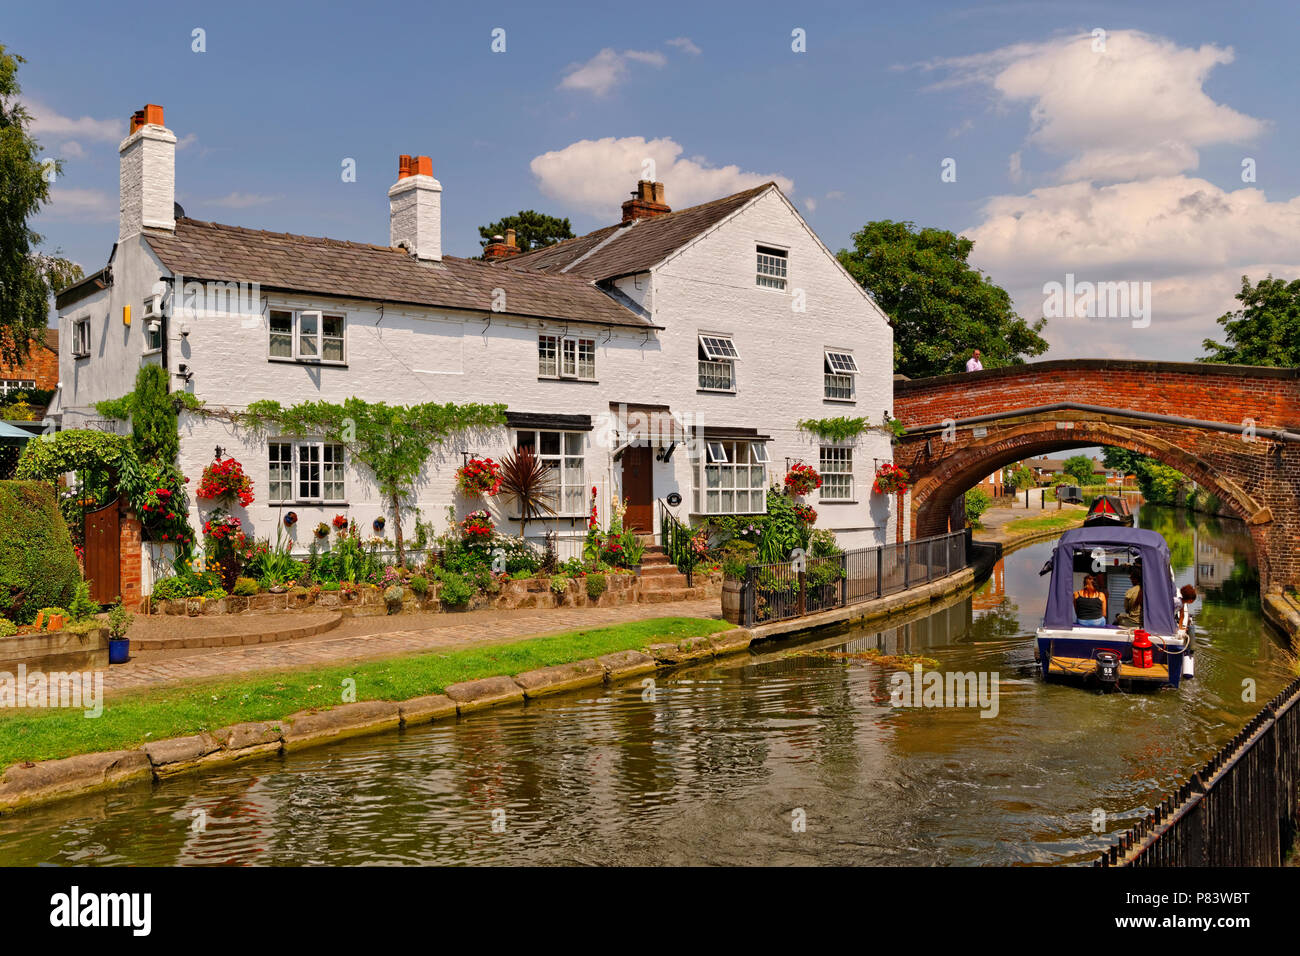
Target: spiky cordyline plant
[{"x": 529, "y": 485}]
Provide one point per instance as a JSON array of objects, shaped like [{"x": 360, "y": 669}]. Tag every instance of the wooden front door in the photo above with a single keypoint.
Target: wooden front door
[
  {"x": 638, "y": 488},
  {"x": 103, "y": 557}
]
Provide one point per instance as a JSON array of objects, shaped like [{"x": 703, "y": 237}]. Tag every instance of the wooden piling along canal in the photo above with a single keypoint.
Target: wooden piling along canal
[{"x": 1240, "y": 809}]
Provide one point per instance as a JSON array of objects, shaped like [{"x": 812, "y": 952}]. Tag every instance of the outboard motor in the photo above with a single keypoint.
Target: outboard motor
[{"x": 1108, "y": 669}]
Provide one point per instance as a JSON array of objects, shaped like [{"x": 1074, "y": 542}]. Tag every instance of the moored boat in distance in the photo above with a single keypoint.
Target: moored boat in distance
[
  {"x": 1109, "y": 511},
  {"x": 1114, "y": 651}
]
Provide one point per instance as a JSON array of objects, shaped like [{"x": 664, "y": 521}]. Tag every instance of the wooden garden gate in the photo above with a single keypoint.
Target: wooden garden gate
[{"x": 103, "y": 555}]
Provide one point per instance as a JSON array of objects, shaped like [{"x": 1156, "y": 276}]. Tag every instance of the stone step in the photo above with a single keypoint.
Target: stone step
[
  {"x": 670, "y": 594},
  {"x": 663, "y": 582},
  {"x": 654, "y": 569}
]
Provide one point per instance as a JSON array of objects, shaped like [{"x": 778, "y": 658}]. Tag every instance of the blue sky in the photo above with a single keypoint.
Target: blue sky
[{"x": 1122, "y": 164}]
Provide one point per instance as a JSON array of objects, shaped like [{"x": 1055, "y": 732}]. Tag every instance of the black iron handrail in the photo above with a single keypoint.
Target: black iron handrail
[{"x": 675, "y": 538}]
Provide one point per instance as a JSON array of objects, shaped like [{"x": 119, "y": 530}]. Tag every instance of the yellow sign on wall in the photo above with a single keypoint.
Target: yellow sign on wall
[{"x": 126, "y": 315}]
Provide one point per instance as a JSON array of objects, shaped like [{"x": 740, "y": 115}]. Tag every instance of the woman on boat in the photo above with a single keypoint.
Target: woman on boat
[{"x": 1089, "y": 604}]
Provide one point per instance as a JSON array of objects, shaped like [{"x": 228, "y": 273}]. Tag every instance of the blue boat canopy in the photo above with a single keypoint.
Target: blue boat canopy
[{"x": 1157, "y": 584}]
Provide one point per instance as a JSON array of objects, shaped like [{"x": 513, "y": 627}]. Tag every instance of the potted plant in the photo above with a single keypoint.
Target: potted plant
[
  {"x": 54, "y": 618},
  {"x": 340, "y": 523},
  {"x": 805, "y": 513},
  {"x": 477, "y": 526},
  {"x": 378, "y": 524},
  {"x": 802, "y": 479},
  {"x": 290, "y": 519},
  {"x": 224, "y": 480},
  {"x": 478, "y": 477},
  {"x": 891, "y": 480},
  {"x": 119, "y": 645},
  {"x": 322, "y": 530}
]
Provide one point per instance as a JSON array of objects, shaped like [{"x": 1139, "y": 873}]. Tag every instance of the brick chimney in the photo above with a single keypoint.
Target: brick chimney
[
  {"x": 500, "y": 248},
  {"x": 415, "y": 209},
  {"x": 147, "y": 171},
  {"x": 647, "y": 200}
]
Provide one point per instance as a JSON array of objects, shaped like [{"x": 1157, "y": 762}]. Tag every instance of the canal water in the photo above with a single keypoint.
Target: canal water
[{"x": 794, "y": 756}]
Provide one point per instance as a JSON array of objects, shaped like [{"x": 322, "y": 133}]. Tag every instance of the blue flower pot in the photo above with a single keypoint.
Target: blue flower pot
[{"x": 119, "y": 650}]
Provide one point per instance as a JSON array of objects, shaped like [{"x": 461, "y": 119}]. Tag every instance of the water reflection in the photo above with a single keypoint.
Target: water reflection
[{"x": 713, "y": 769}]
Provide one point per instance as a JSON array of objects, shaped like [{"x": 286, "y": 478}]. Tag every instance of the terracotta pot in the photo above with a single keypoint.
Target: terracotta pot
[
  {"x": 40, "y": 621},
  {"x": 55, "y": 623}
]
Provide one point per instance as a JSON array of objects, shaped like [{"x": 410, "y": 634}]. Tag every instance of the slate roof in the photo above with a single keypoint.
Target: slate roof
[
  {"x": 284, "y": 262},
  {"x": 630, "y": 248}
]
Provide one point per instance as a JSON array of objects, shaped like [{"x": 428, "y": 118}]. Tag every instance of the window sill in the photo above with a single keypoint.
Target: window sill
[
  {"x": 565, "y": 378},
  {"x": 717, "y": 391},
  {"x": 310, "y": 363},
  {"x": 307, "y": 503},
  {"x": 837, "y": 501},
  {"x": 840, "y": 401}
]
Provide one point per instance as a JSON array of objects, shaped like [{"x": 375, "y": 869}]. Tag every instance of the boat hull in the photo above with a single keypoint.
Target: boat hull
[{"x": 1071, "y": 656}]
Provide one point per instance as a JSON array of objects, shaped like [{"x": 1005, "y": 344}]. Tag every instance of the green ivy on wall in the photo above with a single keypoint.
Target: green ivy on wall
[{"x": 835, "y": 429}]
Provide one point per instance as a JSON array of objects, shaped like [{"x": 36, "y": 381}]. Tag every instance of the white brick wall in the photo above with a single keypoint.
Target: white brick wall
[{"x": 405, "y": 356}]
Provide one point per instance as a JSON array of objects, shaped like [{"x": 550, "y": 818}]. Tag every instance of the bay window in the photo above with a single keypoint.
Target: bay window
[
  {"x": 562, "y": 454},
  {"x": 732, "y": 478}
]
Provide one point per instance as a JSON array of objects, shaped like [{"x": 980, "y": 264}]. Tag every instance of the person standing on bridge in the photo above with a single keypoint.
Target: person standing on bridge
[{"x": 973, "y": 364}]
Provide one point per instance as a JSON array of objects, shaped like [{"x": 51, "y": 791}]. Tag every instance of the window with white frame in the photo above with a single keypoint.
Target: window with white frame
[
  {"x": 837, "y": 473},
  {"x": 840, "y": 368},
  {"x": 153, "y": 335},
  {"x": 81, "y": 338},
  {"x": 9, "y": 386},
  {"x": 772, "y": 264},
  {"x": 307, "y": 336},
  {"x": 717, "y": 361},
  {"x": 566, "y": 357},
  {"x": 305, "y": 471},
  {"x": 732, "y": 478},
  {"x": 562, "y": 454}
]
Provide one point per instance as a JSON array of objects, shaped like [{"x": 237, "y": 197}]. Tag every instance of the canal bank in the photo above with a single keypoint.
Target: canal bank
[{"x": 32, "y": 783}]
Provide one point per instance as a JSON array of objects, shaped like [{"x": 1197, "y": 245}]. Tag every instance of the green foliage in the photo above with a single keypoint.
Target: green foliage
[
  {"x": 1161, "y": 484},
  {"x": 188, "y": 585},
  {"x": 559, "y": 583},
  {"x": 1124, "y": 461},
  {"x": 977, "y": 502},
  {"x": 7, "y": 627},
  {"x": 81, "y": 607},
  {"x": 419, "y": 584},
  {"x": 37, "y": 564},
  {"x": 1265, "y": 330},
  {"x": 455, "y": 590},
  {"x": 27, "y": 278},
  {"x": 783, "y": 531},
  {"x": 533, "y": 229},
  {"x": 1022, "y": 478},
  {"x": 596, "y": 584},
  {"x": 822, "y": 544},
  {"x": 528, "y": 485},
  {"x": 1079, "y": 467},
  {"x": 244, "y": 587},
  {"x": 834, "y": 429},
  {"x": 942, "y": 308}
]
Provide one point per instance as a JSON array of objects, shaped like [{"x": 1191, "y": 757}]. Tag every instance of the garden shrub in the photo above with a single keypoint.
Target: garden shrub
[
  {"x": 419, "y": 584},
  {"x": 244, "y": 587},
  {"x": 596, "y": 584},
  {"x": 7, "y": 627},
  {"x": 37, "y": 564},
  {"x": 823, "y": 545},
  {"x": 455, "y": 591},
  {"x": 559, "y": 584},
  {"x": 977, "y": 502},
  {"x": 82, "y": 607}
]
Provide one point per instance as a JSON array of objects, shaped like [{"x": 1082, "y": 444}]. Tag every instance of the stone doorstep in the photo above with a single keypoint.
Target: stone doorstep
[
  {"x": 52, "y": 779},
  {"x": 560, "y": 677},
  {"x": 306, "y": 729},
  {"x": 622, "y": 665},
  {"x": 486, "y": 692},
  {"x": 423, "y": 710}
]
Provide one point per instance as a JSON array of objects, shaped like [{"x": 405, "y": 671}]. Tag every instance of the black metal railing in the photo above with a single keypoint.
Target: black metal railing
[
  {"x": 675, "y": 539},
  {"x": 787, "y": 589},
  {"x": 1240, "y": 809}
]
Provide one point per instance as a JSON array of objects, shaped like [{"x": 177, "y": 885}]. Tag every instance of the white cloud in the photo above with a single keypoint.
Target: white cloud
[
  {"x": 595, "y": 176},
  {"x": 1014, "y": 171},
  {"x": 606, "y": 70},
  {"x": 810, "y": 204},
  {"x": 238, "y": 200},
  {"x": 84, "y": 205},
  {"x": 1137, "y": 108},
  {"x": 189, "y": 139},
  {"x": 71, "y": 150},
  {"x": 685, "y": 45},
  {"x": 48, "y": 123}
]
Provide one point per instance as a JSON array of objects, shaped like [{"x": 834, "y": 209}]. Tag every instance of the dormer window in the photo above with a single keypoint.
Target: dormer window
[{"x": 772, "y": 264}]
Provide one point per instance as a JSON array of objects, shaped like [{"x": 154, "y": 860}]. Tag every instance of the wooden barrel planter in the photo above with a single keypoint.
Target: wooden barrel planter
[{"x": 732, "y": 605}]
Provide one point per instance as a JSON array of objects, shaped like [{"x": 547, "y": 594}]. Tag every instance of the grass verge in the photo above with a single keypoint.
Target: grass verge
[
  {"x": 130, "y": 720},
  {"x": 1056, "y": 522}
]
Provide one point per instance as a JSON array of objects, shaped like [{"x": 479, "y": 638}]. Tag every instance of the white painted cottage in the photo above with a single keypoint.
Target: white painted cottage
[{"x": 710, "y": 331}]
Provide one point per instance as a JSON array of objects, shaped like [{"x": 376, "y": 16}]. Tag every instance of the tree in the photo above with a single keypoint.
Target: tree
[
  {"x": 941, "y": 307},
  {"x": 533, "y": 229},
  {"x": 977, "y": 502},
  {"x": 1265, "y": 330},
  {"x": 27, "y": 277},
  {"x": 393, "y": 441},
  {"x": 1124, "y": 461},
  {"x": 1022, "y": 477},
  {"x": 1079, "y": 467}
]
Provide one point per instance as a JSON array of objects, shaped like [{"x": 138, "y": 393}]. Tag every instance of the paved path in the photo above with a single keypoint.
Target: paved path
[{"x": 453, "y": 631}]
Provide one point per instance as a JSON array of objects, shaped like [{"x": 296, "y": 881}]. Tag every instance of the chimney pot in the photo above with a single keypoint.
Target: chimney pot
[
  {"x": 510, "y": 238},
  {"x": 415, "y": 209},
  {"x": 147, "y": 174},
  {"x": 421, "y": 166},
  {"x": 647, "y": 201}
]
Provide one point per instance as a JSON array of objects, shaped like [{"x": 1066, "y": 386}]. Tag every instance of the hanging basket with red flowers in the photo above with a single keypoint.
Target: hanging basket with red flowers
[
  {"x": 806, "y": 513},
  {"x": 802, "y": 479},
  {"x": 891, "y": 480},
  {"x": 340, "y": 522},
  {"x": 477, "y": 527},
  {"x": 224, "y": 480},
  {"x": 479, "y": 477}
]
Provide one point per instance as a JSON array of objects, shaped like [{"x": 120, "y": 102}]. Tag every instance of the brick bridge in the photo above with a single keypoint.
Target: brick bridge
[{"x": 1196, "y": 418}]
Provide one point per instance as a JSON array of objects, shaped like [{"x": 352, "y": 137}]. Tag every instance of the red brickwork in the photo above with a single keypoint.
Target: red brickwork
[
  {"x": 129, "y": 559},
  {"x": 42, "y": 365},
  {"x": 1257, "y": 480}
]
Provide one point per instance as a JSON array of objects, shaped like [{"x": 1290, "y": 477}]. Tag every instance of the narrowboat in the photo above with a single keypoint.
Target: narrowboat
[
  {"x": 1109, "y": 511},
  {"x": 1157, "y": 654}
]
